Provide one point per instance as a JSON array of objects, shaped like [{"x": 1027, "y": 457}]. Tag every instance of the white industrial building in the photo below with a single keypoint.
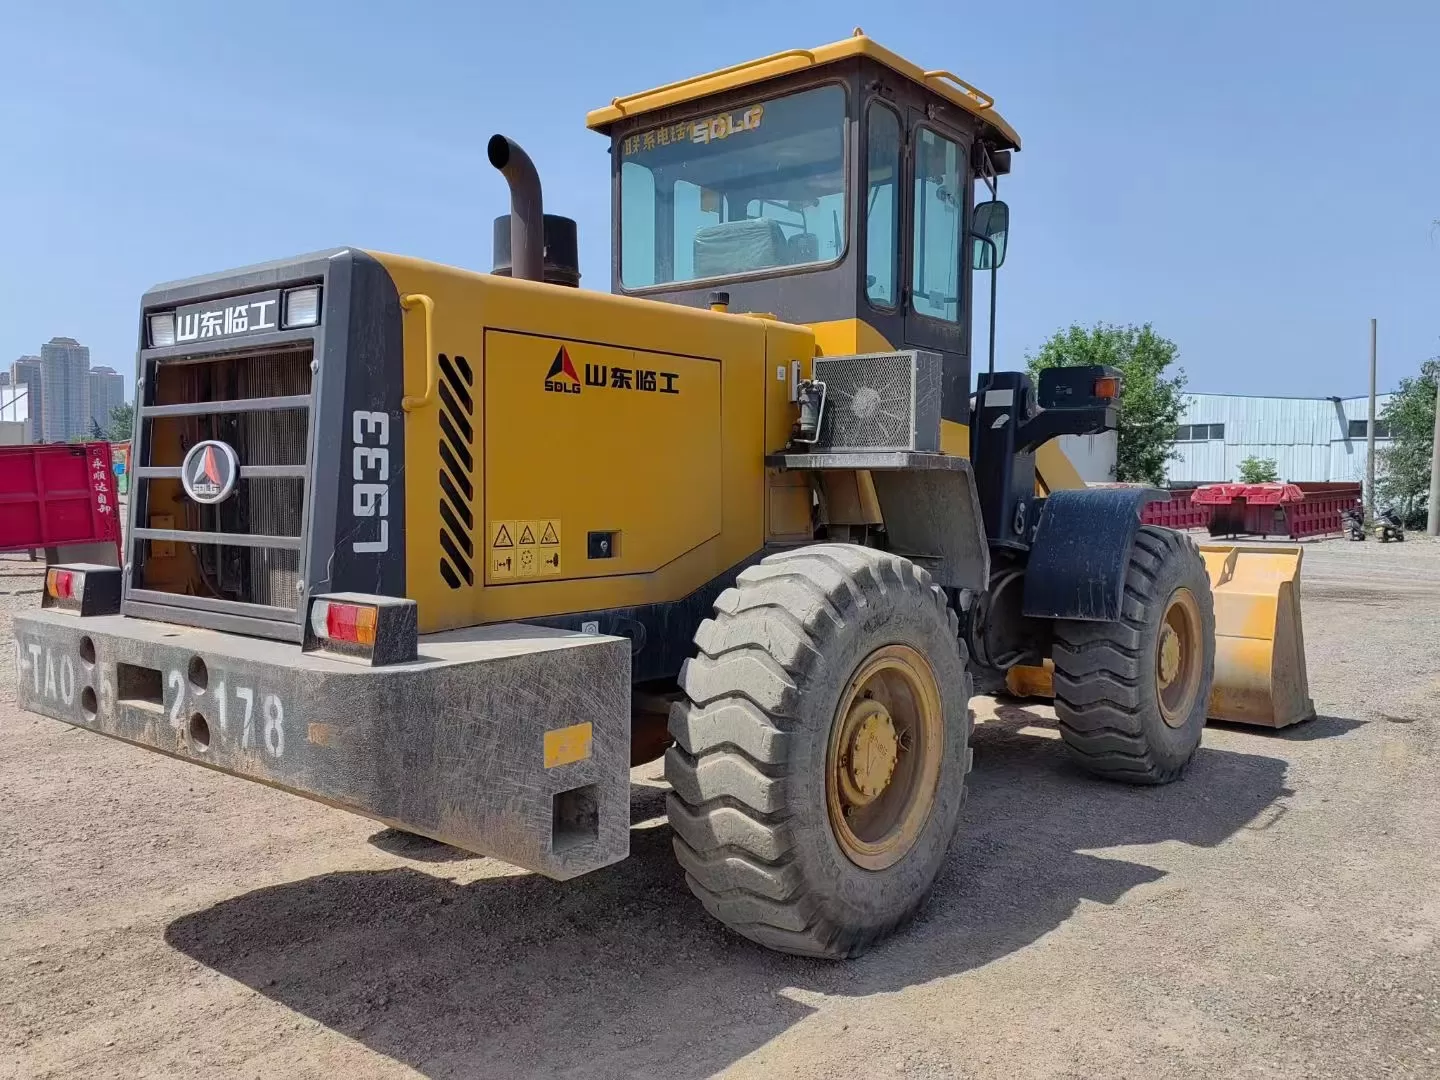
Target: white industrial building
[
  {"x": 14, "y": 414},
  {"x": 1309, "y": 439}
]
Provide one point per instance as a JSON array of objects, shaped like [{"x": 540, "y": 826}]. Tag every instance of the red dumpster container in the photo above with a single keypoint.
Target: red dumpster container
[
  {"x": 1226, "y": 503},
  {"x": 1291, "y": 510},
  {"x": 59, "y": 496},
  {"x": 1181, "y": 512},
  {"x": 1317, "y": 512}
]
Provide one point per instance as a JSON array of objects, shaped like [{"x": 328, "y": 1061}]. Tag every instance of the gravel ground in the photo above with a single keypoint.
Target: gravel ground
[{"x": 1273, "y": 914}]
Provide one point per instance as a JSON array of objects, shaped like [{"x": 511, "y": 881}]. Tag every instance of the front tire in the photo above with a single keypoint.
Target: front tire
[
  {"x": 820, "y": 757},
  {"x": 1131, "y": 695}
]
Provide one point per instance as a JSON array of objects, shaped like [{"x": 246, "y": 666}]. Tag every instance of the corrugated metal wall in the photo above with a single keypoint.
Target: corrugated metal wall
[{"x": 1306, "y": 437}]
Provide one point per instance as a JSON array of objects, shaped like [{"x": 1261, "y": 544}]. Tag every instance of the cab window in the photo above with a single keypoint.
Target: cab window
[
  {"x": 754, "y": 189},
  {"x": 938, "y": 215},
  {"x": 882, "y": 205}
]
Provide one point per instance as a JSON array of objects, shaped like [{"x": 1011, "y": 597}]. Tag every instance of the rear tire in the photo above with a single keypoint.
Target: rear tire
[
  {"x": 778, "y": 683},
  {"x": 1131, "y": 695}
]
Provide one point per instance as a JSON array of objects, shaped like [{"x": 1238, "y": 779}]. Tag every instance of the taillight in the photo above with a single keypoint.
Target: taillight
[
  {"x": 352, "y": 624},
  {"x": 64, "y": 584},
  {"x": 372, "y": 630},
  {"x": 82, "y": 589}
]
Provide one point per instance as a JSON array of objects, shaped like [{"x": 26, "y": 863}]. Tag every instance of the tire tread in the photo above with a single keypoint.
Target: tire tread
[
  {"x": 1100, "y": 685},
  {"x": 727, "y": 770}
]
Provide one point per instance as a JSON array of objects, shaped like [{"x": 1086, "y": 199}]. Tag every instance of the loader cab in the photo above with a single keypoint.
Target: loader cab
[{"x": 832, "y": 187}]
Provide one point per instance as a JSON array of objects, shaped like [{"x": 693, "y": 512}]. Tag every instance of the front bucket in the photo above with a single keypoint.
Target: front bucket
[
  {"x": 1260, "y": 675},
  {"x": 1023, "y": 681}
]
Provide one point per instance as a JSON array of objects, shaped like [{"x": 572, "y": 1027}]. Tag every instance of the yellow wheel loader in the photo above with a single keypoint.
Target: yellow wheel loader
[{"x": 455, "y": 550}]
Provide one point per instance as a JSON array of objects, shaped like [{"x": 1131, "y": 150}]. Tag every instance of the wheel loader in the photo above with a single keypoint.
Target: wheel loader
[{"x": 457, "y": 549}]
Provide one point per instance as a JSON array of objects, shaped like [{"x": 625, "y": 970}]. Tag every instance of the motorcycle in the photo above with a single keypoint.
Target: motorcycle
[
  {"x": 1388, "y": 526},
  {"x": 1353, "y": 523}
]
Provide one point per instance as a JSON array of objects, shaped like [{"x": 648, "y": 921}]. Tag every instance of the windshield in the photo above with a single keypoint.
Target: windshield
[{"x": 739, "y": 192}]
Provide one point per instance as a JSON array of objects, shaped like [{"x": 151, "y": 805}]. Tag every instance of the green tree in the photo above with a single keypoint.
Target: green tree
[
  {"x": 1150, "y": 402},
  {"x": 1254, "y": 470},
  {"x": 122, "y": 422},
  {"x": 1404, "y": 465}
]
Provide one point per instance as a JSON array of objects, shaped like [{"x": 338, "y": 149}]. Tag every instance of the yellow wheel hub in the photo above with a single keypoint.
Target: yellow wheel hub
[
  {"x": 1169, "y": 654},
  {"x": 1178, "y": 658},
  {"x": 883, "y": 766},
  {"x": 869, "y": 752}
]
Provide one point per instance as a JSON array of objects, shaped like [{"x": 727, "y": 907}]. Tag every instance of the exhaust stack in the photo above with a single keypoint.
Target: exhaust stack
[{"x": 527, "y": 214}]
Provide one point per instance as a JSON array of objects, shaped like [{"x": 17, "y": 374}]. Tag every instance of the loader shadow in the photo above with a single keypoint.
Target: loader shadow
[
  {"x": 420, "y": 848},
  {"x": 621, "y": 973},
  {"x": 1313, "y": 730}
]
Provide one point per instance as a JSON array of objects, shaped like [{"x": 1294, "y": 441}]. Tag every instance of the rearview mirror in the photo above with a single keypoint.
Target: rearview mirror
[{"x": 989, "y": 231}]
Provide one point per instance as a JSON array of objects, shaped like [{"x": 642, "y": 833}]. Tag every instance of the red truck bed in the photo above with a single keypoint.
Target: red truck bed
[{"x": 56, "y": 496}]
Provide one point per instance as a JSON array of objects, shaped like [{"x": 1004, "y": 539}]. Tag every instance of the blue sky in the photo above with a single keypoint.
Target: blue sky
[{"x": 1255, "y": 178}]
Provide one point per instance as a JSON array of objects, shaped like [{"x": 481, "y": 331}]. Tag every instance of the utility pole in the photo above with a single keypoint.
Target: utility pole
[
  {"x": 1370, "y": 436},
  {"x": 1432, "y": 522}
]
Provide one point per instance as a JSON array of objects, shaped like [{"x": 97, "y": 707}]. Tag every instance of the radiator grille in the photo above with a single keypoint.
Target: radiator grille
[
  {"x": 276, "y": 507},
  {"x": 883, "y": 401},
  {"x": 457, "y": 468},
  {"x": 243, "y": 555}
]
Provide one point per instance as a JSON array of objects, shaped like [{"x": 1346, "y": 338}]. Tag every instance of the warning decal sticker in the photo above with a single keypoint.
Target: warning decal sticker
[
  {"x": 524, "y": 549},
  {"x": 549, "y": 547},
  {"x": 502, "y": 564}
]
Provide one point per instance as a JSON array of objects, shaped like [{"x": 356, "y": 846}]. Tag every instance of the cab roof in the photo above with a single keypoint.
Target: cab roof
[{"x": 949, "y": 86}]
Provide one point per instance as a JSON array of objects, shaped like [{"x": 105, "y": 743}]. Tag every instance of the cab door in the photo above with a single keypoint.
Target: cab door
[{"x": 937, "y": 208}]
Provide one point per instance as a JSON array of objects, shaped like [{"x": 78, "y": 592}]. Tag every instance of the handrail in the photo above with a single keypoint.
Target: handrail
[
  {"x": 432, "y": 360},
  {"x": 982, "y": 99},
  {"x": 223, "y": 539},
  {"x": 621, "y": 102},
  {"x": 228, "y": 405}
]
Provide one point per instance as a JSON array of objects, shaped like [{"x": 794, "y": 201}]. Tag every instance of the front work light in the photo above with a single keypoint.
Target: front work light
[
  {"x": 302, "y": 307},
  {"x": 162, "y": 330}
]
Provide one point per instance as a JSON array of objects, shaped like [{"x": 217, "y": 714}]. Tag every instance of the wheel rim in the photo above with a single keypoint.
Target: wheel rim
[
  {"x": 883, "y": 766},
  {"x": 1177, "y": 658}
]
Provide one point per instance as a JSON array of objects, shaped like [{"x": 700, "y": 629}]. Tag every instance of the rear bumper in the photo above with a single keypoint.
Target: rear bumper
[{"x": 511, "y": 741}]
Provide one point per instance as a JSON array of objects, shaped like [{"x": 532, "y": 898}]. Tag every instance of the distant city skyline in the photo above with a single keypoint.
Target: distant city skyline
[
  {"x": 107, "y": 390},
  {"x": 65, "y": 378},
  {"x": 25, "y": 371},
  {"x": 59, "y": 394}
]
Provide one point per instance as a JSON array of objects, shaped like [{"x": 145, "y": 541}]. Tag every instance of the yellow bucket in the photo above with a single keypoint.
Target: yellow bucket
[{"x": 1260, "y": 674}]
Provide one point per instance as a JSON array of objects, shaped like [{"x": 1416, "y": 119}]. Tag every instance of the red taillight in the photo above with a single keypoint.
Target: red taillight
[
  {"x": 362, "y": 628},
  {"x": 82, "y": 589},
  {"x": 351, "y": 623},
  {"x": 60, "y": 584}
]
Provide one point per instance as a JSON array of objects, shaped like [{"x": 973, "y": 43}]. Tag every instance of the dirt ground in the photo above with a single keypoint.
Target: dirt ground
[{"x": 1275, "y": 913}]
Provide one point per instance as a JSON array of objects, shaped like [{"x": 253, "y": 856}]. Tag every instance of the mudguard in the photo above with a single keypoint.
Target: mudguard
[{"x": 1081, "y": 550}]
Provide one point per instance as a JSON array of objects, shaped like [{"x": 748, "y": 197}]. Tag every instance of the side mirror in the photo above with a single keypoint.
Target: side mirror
[{"x": 989, "y": 231}]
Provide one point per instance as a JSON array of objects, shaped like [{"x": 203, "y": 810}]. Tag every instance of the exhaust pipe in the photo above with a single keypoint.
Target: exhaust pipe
[{"x": 527, "y": 215}]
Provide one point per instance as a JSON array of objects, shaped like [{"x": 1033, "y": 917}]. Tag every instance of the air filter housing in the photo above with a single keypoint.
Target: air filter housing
[{"x": 881, "y": 401}]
